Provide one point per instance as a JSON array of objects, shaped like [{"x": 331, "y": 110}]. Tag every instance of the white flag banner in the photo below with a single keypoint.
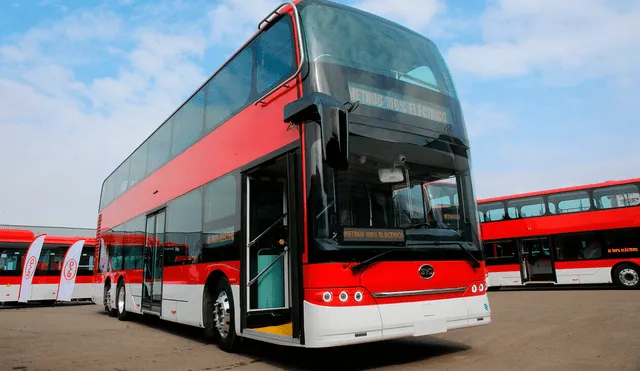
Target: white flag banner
[
  {"x": 29, "y": 268},
  {"x": 69, "y": 271},
  {"x": 104, "y": 260}
]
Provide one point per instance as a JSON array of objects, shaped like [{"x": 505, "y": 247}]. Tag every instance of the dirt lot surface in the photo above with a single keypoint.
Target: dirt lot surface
[{"x": 594, "y": 329}]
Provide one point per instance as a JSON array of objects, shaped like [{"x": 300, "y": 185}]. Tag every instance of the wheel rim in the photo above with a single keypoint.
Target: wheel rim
[
  {"x": 121, "y": 300},
  {"x": 222, "y": 314},
  {"x": 629, "y": 277},
  {"x": 107, "y": 299}
]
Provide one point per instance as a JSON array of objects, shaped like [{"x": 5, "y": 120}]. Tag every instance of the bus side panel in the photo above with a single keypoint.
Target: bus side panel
[
  {"x": 183, "y": 290},
  {"x": 504, "y": 275}
]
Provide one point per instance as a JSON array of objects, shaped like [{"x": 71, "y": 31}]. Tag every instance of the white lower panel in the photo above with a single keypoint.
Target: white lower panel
[
  {"x": 332, "y": 326},
  {"x": 498, "y": 279},
  {"x": 584, "y": 275},
  {"x": 563, "y": 277},
  {"x": 9, "y": 293},
  {"x": 186, "y": 300}
]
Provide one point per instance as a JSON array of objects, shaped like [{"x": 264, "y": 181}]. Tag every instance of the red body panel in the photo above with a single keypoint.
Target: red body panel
[
  {"x": 628, "y": 217},
  {"x": 253, "y": 133},
  {"x": 396, "y": 276}
]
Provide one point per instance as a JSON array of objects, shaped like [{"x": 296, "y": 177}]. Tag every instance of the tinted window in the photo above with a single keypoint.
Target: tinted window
[
  {"x": 526, "y": 207},
  {"x": 12, "y": 258},
  {"x": 571, "y": 202},
  {"x": 275, "y": 55},
  {"x": 183, "y": 239},
  {"x": 501, "y": 252},
  {"x": 51, "y": 259},
  {"x": 580, "y": 246},
  {"x": 618, "y": 196},
  {"x": 85, "y": 266},
  {"x": 138, "y": 168},
  {"x": 492, "y": 211},
  {"x": 229, "y": 90},
  {"x": 187, "y": 124},
  {"x": 221, "y": 219},
  {"x": 622, "y": 243},
  {"x": 133, "y": 242},
  {"x": 159, "y": 147}
]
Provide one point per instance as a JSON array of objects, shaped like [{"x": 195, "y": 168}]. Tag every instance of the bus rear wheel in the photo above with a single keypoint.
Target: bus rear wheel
[{"x": 627, "y": 276}]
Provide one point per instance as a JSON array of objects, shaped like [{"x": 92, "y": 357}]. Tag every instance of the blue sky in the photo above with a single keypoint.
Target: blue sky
[{"x": 549, "y": 88}]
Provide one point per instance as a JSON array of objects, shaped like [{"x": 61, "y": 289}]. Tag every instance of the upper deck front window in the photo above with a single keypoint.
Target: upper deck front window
[{"x": 345, "y": 36}]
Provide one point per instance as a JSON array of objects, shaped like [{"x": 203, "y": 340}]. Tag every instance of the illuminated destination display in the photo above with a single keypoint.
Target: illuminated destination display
[
  {"x": 372, "y": 235},
  {"x": 395, "y": 102}
]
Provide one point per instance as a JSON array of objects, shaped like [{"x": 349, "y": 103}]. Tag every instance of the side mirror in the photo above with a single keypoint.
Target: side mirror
[{"x": 334, "y": 123}]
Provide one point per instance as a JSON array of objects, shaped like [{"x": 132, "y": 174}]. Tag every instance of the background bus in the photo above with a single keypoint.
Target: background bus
[
  {"x": 579, "y": 235},
  {"x": 13, "y": 248},
  {"x": 285, "y": 176}
]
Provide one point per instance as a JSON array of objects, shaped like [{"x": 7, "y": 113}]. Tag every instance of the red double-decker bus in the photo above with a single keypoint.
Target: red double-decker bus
[
  {"x": 578, "y": 235},
  {"x": 292, "y": 178},
  {"x": 14, "y": 244}
]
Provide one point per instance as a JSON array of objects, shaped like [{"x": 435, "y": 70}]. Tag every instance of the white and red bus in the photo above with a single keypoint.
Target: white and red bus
[
  {"x": 588, "y": 234},
  {"x": 14, "y": 244},
  {"x": 278, "y": 201}
]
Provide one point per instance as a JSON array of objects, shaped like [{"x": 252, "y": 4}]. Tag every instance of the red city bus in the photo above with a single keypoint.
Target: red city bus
[
  {"x": 14, "y": 244},
  {"x": 578, "y": 235},
  {"x": 288, "y": 176}
]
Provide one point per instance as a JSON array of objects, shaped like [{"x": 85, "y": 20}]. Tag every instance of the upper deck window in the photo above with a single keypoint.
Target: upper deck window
[
  {"x": 526, "y": 207},
  {"x": 617, "y": 196},
  {"x": 346, "y": 36}
]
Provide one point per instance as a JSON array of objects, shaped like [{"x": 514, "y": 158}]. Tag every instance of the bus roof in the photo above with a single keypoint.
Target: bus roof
[
  {"x": 558, "y": 190},
  {"x": 16, "y": 235}
]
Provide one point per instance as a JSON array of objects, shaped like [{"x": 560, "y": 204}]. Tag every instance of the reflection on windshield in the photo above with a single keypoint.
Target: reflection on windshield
[
  {"x": 392, "y": 186},
  {"x": 346, "y": 36}
]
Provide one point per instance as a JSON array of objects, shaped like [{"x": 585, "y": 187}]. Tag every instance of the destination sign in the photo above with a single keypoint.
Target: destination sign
[
  {"x": 372, "y": 235},
  {"x": 396, "y": 102},
  {"x": 622, "y": 250}
]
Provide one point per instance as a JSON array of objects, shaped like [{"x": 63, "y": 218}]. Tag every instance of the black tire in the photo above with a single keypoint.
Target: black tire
[
  {"x": 220, "y": 298},
  {"x": 121, "y": 302},
  {"x": 107, "y": 301},
  {"x": 627, "y": 276}
]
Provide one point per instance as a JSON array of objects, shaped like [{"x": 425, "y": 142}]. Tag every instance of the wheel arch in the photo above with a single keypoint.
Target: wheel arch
[{"x": 625, "y": 262}]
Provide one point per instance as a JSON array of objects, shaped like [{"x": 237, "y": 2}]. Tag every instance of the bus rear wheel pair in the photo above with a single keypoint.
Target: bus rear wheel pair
[
  {"x": 219, "y": 316},
  {"x": 627, "y": 276}
]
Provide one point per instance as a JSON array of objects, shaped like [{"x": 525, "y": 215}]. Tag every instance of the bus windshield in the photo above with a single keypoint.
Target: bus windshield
[
  {"x": 404, "y": 191},
  {"x": 345, "y": 36}
]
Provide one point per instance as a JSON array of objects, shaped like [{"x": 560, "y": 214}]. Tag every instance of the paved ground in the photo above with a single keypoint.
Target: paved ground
[{"x": 583, "y": 330}]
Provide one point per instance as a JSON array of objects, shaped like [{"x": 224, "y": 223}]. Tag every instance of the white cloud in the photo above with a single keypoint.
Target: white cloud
[
  {"x": 61, "y": 134},
  {"x": 234, "y": 21},
  {"x": 482, "y": 118},
  {"x": 569, "y": 39}
]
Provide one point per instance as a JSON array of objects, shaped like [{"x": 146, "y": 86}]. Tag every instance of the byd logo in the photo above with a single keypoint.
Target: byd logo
[
  {"x": 70, "y": 269},
  {"x": 31, "y": 267}
]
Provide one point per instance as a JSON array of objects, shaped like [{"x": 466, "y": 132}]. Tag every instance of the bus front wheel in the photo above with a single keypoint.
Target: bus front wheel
[
  {"x": 627, "y": 276},
  {"x": 220, "y": 316}
]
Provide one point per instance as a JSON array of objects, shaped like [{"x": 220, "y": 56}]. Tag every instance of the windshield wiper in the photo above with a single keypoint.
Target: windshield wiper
[
  {"x": 476, "y": 263},
  {"x": 423, "y": 224},
  {"x": 366, "y": 263}
]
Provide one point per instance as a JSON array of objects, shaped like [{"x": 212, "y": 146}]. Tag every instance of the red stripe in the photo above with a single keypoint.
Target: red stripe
[
  {"x": 50, "y": 280},
  {"x": 503, "y": 268},
  {"x": 559, "y": 224},
  {"x": 253, "y": 133}
]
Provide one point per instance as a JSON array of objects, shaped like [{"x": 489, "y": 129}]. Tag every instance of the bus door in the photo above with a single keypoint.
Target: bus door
[
  {"x": 267, "y": 305},
  {"x": 537, "y": 260},
  {"x": 153, "y": 263}
]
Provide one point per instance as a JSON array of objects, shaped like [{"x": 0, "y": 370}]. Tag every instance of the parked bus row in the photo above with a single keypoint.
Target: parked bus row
[
  {"x": 579, "y": 235},
  {"x": 14, "y": 244},
  {"x": 282, "y": 201}
]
